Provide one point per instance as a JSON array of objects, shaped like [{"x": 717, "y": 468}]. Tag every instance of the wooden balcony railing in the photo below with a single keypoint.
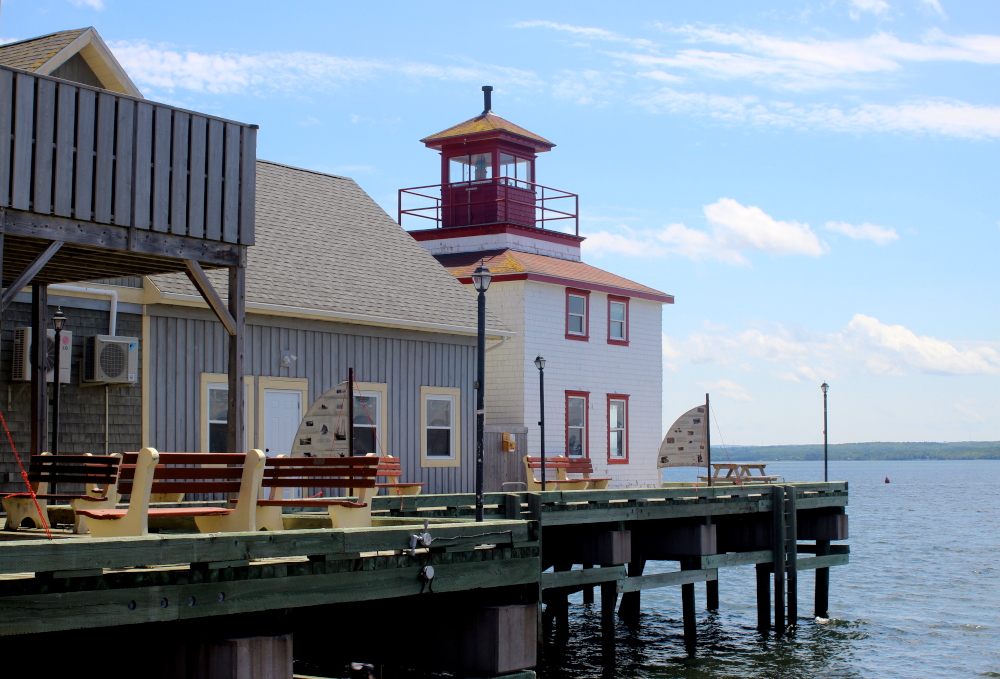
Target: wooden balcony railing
[{"x": 96, "y": 156}]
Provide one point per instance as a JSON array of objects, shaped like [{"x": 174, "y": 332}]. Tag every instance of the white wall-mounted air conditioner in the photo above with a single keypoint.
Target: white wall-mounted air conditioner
[
  {"x": 109, "y": 359},
  {"x": 22, "y": 355}
]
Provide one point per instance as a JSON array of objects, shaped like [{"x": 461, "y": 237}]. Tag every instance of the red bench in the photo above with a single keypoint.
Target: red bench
[
  {"x": 98, "y": 474},
  {"x": 390, "y": 467},
  {"x": 315, "y": 473},
  {"x": 149, "y": 471}
]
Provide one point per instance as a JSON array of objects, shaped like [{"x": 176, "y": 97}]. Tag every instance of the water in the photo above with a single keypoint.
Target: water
[{"x": 919, "y": 600}]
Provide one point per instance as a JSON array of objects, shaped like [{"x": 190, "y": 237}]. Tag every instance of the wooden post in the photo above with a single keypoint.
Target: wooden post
[
  {"x": 763, "y": 597},
  {"x": 712, "y": 595},
  {"x": 609, "y": 598},
  {"x": 791, "y": 554},
  {"x": 629, "y": 608},
  {"x": 778, "y": 545},
  {"x": 687, "y": 607},
  {"x": 822, "y": 582},
  {"x": 588, "y": 592},
  {"x": 39, "y": 357},
  {"x": 237, "y": 434},
  {"x": 560, "y": 605}
]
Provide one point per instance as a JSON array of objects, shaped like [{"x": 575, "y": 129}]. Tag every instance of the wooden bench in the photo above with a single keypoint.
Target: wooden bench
[
  {"x": 561, "y": 465},
  {"x": 149, "y": 471},
  {"x": 318, "y": 472},
  {"x": 97, "y": 473},
  {"x": 390, "y": 467}
]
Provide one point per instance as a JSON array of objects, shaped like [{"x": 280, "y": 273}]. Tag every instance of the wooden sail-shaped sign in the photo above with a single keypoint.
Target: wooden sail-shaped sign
[{"x": 685, "y": 444}]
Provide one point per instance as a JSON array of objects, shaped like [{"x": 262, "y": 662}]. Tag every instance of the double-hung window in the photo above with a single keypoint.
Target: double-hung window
[
  {"x": 440, "y": 422},
  {"x": 577, "y": 314},
  {"x": 367, "y": 423},
  {"x": 218, "y": 418},
  {"x": 617, "y": 428},
  {"x": 617, "y": 320},
  {"x": 576, "y": 423}
]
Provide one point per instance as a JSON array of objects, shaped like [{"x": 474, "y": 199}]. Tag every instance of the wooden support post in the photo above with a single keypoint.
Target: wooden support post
[
  {"x": 712, "y": 595},
  {"x": 609, "y": 598},
  {"x": 237, "y": 433},
  {"x": 560, "y": 605},
  {"x": 763, "y": 597},
  {"x": 588, "y": 592},
  {"x": 28, "y": 275},
  {"x": 778, "y": 542},
  {"x": 2, "y": 217},
  {"x": 822, "y": 582},
  {"x": 39, "y": 357},
  {"x": 791, "y": 553},
  {"x": 629, "y": 608},
  {"x": 687, "y": 607}
]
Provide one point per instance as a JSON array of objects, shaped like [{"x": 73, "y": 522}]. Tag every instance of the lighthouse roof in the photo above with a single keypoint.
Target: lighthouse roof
[{"x": 487, "y": 124}]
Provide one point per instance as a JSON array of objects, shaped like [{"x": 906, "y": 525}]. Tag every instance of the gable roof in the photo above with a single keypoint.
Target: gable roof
[
  {"x": 486, "y": 122},
  {"x": 515, "y": 265},
  {"x": 323, "y": 245},
  {"x": 46, "y": 53}
]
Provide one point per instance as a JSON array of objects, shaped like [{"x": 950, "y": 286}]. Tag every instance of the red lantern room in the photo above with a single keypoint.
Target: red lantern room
[{"x": 487, "y": 179}]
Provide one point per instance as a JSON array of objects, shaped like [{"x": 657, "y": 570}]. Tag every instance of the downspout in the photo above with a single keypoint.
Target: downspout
[
  {"x": 111, "y": 294},
  {"x": 503, "y": 341}
]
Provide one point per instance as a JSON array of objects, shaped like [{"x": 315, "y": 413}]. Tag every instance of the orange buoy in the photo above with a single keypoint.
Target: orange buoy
[{"x": 887, "y": 479}]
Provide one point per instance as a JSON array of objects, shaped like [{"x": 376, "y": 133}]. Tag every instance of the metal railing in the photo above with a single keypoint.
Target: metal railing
[{"x": 507, "y": 201}]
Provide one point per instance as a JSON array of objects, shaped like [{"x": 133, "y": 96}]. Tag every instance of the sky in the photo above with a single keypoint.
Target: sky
[{"x": 815, "y": 181}]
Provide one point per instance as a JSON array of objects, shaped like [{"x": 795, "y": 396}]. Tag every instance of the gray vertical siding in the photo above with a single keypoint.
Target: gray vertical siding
[{"x": 183, "y": 348}]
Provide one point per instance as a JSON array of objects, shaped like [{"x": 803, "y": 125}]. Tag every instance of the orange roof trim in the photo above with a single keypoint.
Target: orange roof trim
[{"x": 487, "y": 122}]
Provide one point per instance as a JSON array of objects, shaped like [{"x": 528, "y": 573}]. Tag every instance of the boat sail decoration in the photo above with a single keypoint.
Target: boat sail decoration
[{"x": 685, "y": 442}]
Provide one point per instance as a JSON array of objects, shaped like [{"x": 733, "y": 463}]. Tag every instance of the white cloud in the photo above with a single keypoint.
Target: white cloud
[
  {"x": 586, "y": 33},
  {"x": 935, "y": 6},
  {"x": 727, "y": 388},
  {"x": 93, "y": 4},
  {"x": 873, "y": 6},
  {"x": 735, "y": 230},
  {"x": 166, "y": 68},
  {"x": 881, "y": 235},
  {"x": 865, "y": 345}
]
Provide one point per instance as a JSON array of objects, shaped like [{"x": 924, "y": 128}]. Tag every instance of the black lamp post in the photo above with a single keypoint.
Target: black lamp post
[
  {"x": 540, "y": 364},
  {"x": 58, "y": 322},
  {"x": 481, "y": 281},
  {"x": 825, "y": 387}
]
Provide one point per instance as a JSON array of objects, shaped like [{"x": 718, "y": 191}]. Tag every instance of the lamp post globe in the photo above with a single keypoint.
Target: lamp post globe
[
  {"x": 481, "y": 278},
  {"x": 540, "y": 363}
]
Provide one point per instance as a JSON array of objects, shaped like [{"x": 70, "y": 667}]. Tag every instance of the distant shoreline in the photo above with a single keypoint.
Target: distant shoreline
[{"x": 967, "y": 450}]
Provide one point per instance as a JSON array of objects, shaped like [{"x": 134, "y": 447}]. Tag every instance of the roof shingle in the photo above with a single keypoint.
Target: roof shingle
[
  {"x": 31, "y": 54},
  {"x": 485, "y": 122}
]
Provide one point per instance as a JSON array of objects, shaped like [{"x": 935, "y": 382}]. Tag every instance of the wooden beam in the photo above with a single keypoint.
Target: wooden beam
[
  {"x": 589, "y": 576},
  {"x": 737, "y": 559},
  {"x": 237, "y": 429},
  {"x": 210, "y": 295},
  {"x": 29, "y": 274},
  {"x": 822, "y": 561},
  {"x": 39, "y": 357},
  {"x": 685, "y": 577}
]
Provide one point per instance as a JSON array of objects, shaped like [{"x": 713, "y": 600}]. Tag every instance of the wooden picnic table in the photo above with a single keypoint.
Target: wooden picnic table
[{"x": 741, "y": 472}]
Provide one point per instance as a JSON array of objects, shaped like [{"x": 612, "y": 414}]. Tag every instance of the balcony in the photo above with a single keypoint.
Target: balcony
[{"x": 501, "y": 200}]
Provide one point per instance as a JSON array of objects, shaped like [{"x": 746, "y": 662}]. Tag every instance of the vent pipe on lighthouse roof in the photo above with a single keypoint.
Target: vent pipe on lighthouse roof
[{"x": 487, "y": 99}]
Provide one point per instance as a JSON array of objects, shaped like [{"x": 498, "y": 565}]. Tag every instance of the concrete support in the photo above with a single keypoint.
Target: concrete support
[
  {"x": 244, "y": 658},
  {"x": 499, "y": 639},
  {"x": 822, "y": 601}
]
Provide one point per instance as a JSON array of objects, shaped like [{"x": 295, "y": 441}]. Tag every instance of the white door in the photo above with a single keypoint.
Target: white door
[{"x": 282, "y": 415}]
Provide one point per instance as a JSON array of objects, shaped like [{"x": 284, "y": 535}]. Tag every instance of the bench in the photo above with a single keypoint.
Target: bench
[
  {"x": 97, "y": 473},
  {"x": 560, "y": 465},
  {"x": 149, "y": 471},
  {"x": 584, "y": 467},
  {"x": 390, "y": 467},
  {"x": 318, "y": 472}
]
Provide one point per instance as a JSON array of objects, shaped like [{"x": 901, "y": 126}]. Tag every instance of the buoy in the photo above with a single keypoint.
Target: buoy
[{"x": 887, "y": 479}]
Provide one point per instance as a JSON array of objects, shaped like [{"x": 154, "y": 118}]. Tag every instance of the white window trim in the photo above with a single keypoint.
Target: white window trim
[
  {"x": 583, "y": 316},
  {"x": 456, "y": 433},
  {"x": 624, "y": 321},
  {"x": 222, "y": 378},
  {"x": 623, "y": 429},
  {"x": 382, "y": 389}
]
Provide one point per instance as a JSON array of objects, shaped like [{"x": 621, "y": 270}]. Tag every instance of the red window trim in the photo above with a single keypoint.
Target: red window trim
[
  {"x": 617, "y": 397},
  {"x": 585, "y": 395},
  {"x": 585, "y": 337},
  {"x": 625, "y": 300}
]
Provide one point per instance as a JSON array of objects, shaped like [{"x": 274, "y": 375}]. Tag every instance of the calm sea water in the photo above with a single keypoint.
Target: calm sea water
[{"x": 920, "y": 598}]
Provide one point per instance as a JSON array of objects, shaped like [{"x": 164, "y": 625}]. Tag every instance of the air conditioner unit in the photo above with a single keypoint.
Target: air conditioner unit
[
  {"x": 109, "y": 359},
  {"x": 22, "y": 355}
]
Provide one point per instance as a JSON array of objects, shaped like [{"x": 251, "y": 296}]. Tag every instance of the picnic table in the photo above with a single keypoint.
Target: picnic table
[{"x": 741, "y": 472}]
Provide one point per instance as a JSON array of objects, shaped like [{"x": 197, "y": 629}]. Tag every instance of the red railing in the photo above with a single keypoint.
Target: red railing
[{"x": 501, "y": 200}]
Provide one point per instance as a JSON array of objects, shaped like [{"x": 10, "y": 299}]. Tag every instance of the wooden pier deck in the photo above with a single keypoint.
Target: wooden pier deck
[{"x": 540, "y": 546}]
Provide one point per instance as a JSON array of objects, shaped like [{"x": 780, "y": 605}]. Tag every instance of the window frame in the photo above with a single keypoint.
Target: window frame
[
  {"x": 219, "y": 380},
  {"x": 625, "y": 399},
  {"x": 616, "y": 299},
  {"x": 456, "y": 428},
  {"x": 576, "y": 292},
  {"x": 585, "y": 395}
]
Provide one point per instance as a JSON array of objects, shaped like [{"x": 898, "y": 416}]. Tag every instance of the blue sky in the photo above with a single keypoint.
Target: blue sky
[{"x": 815, "y": 181}]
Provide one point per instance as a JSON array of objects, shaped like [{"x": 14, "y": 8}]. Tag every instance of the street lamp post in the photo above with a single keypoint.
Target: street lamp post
[
  {"x": 825, "y": 387},
  {"x": 58, "y": 322},
  {"x": 540, "y": 364},
  {"x": 481, "y": 281}
]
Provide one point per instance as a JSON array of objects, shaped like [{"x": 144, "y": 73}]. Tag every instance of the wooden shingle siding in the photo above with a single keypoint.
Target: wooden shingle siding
[
  {"x": 181, "y": 348},
  {"x": 97, "y": 156}
]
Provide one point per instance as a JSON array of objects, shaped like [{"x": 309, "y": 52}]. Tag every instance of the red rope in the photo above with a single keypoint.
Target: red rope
[{"x": 24, "y": 475}]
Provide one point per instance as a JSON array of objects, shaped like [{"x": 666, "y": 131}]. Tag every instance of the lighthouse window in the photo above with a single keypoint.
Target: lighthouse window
[
  {"x": 517, "y": 169},
  {"x": 473, "y": 167}
]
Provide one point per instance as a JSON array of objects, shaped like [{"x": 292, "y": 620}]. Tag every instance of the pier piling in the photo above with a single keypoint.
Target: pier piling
[
  {"x": 763, "y": 597},
  {"x": 822, "y": 598}
]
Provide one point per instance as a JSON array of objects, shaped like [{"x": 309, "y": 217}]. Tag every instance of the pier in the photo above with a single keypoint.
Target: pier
[{"x": 497, "y": 584}]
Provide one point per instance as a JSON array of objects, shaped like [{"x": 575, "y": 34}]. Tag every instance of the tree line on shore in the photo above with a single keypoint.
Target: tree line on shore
[{"x": 876, "y": 450}]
